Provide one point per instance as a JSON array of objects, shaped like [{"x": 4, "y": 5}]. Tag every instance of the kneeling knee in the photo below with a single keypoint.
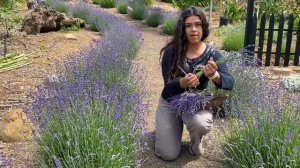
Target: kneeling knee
[{"x": 169, "y": 156}]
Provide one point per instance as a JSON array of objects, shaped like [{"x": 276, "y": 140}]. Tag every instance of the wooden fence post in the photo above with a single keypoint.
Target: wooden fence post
[
  {"x": 289, "y": 40},
  {"x": 279, "y": 40},
  {"x": 249, "y": 22},
  {"x": 297, "y": 53}
]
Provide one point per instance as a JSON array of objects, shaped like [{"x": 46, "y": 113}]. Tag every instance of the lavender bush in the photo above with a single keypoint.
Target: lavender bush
[
  {"x": 139, "y": 10},
  {"x": 97, "y": 18},
  {"x": 155, "y": 17},
  {"x": 90, "y": 113},
  {"x": 122, "y": 6},
  {"x": 58, "y": 5},
  {"x": 170, "y": 21},
  {"x": 89, "y": 125},
  {"x": 263, "y": 130}
]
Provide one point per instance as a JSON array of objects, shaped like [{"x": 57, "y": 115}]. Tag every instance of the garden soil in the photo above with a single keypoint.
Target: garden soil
[{"x": 46, "y": 50}]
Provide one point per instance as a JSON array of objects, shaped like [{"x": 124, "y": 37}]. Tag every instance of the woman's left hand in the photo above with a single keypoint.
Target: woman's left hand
[{"x": 210, "y": 68}]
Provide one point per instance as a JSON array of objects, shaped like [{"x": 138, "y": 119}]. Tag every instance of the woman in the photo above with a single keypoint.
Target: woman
[{"x": 181, "y": 55}]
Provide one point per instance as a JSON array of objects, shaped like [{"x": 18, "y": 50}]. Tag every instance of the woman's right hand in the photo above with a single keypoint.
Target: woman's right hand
[{"x": 189, "y": 80}]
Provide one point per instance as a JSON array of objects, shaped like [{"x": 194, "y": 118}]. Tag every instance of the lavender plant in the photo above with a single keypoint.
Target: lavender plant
[
  {"x": 80, "y": 10},
  {"x": 122, "y": 6},
  {"x": 155, "y": 17},
  {"x": 90, "y": 113},
  {"x": 170, "y": 22},
  {"x": 190, "y": 102},
  {"x": 263, "y": 129},
  {"x": 58, "y": 5},
  {"x": 107, "y": 3},
  {"x": 90, "y": 126},
  {"x": 97, "y": 18},
  {"x": 139, "y": 10}
]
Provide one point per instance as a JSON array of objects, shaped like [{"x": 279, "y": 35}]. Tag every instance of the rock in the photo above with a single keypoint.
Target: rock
[
  {"x": 95, "y": 39},
  {"x": 296, "y": 69},
  {"x": 282, "y": 71},
  {"x": 274, "y": 77},
  {"x": 44, "y": 19},
  {"x": 70, "y": 37},
  {"x": 129, "y": 10},
  {"x": 31, "y": 4},
  {"x": 68, "y": 22},
  {"x": 16, "y": 127}
]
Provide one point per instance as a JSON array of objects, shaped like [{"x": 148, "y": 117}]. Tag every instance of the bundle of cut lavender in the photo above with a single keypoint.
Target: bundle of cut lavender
[{"x": 193, "y": 100}]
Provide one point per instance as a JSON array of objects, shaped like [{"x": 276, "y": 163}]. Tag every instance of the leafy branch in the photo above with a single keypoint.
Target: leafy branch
[{"x": 10, "y": 21}]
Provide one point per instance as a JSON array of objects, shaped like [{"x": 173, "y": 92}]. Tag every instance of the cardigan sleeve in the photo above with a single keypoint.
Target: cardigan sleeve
[
  {"x": 226, "y": 78},
  {"x": 171, "y": 87}
]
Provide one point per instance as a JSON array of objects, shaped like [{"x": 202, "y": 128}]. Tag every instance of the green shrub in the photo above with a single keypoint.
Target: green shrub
[
  {"x": 234, "y": 39},
  {"x": 82, "y": 13},
  {"x": 97, "y": 24},
  {"x": 183, "y": 4},
  {"x": 154, "y": 19},
  {"x": 107, "y": 3},
  {"x": 122, "y": 8},
  {"x": 234, "y": 12},
  {"x": 61, "y": 7},
  {"x": 269, "y": 7},
  {"x": 97, "y": 2},
  {"x": 9, "y": 4},
  {"x": 170, "y": 26},
  {"x": 139, "y": 10},
  {"x": 167, "y": 1},
  {"x": 75, "y": 27},
  {"x": 149, "y": 2}
]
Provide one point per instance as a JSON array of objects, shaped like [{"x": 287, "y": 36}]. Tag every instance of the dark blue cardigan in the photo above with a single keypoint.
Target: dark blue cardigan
[{"x": 172, "y": 87}]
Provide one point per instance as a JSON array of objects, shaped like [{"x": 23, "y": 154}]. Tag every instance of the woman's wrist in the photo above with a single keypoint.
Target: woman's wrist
[
  {"x": 216, "y": 74},
  {"x": 181, "y": 83}
]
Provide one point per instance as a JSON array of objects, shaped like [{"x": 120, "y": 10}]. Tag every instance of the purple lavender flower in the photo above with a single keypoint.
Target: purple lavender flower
[
  {"x": 4, "y": 161},
  {"x": 57, "y": 162},
  {"x": 190, "y": 102}
]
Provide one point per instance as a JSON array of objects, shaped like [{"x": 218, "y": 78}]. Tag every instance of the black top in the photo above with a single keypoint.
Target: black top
[{"x": 172, "y": 87}]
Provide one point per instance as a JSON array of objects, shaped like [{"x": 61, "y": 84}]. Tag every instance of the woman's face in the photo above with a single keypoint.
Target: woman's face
[{"x": 193, "y": 29}]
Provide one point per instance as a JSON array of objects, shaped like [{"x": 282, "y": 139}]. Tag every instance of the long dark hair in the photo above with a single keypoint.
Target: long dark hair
[{"x": 179, "y": 41}]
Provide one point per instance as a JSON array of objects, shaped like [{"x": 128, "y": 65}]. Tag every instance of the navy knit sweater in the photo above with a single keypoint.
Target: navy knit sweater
[{"x": 172, "y": 87}]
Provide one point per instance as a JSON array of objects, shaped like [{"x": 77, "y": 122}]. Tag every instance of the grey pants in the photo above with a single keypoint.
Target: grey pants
[{"x": 169, "y": 129}]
